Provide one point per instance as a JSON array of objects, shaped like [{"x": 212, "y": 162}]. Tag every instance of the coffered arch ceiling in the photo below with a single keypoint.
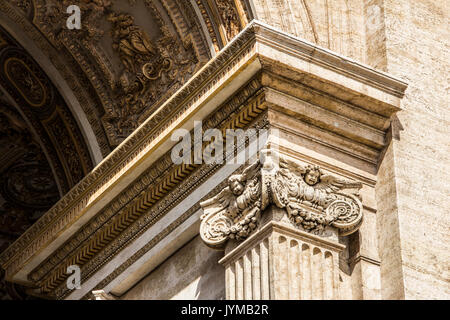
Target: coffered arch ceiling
[
  {"x": 43, "y": 153},
  {"x": 43, "y": 113}
]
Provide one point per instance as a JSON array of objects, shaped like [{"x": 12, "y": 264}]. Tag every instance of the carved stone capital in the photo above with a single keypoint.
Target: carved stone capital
[{"x": 311, "y": 198}]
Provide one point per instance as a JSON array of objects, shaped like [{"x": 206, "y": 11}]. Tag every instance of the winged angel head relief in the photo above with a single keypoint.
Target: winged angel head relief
[
  {"x": 234, "y": 212},
  {"x": 312, "y": 199}
]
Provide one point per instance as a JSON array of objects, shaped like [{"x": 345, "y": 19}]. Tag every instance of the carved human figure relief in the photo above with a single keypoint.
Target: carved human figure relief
[
  {"x": 312, "y": 199},
  {"x": 229, "y": 17},
  {"x": 131, "y": 41}
]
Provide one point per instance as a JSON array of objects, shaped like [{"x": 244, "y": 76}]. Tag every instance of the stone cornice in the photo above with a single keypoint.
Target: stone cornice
[
  {"x": 171, "y": 187},
  {"x": 354, "y": 260},
  {"x": 247, "y": 52},
  {"x": 310, "y": 52},
  {"x": 131, "y": 198}
]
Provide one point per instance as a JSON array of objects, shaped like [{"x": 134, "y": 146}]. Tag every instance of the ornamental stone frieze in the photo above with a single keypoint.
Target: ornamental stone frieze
[{"x": 312, "y": 200}]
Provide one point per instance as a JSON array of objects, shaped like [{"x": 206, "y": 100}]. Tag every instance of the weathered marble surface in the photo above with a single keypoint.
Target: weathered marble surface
[{"x": 413, "y": 189}]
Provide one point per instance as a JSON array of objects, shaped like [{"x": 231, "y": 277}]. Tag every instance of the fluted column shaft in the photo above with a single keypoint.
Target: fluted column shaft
[{"x": 282, "y": 262}]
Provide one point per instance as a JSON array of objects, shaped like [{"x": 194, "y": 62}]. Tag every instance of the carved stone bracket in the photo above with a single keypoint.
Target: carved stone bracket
[{"x": 311, "y": 198}]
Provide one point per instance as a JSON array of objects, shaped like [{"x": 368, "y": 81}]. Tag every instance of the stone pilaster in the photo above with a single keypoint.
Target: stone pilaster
[{"x": 282, "y": 262}]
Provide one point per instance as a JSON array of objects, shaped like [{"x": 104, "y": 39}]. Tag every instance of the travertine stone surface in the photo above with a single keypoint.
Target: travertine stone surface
[
  {"x": 375, "y": 36},
  {"x": 193, "y": 272},
  {"x": 408, "y": 39},
  {"x": 388, "y": 230},
  {"x": 330, "y": 24},
  {"x": 365, "y": 259},
  {"x": 414, "y": 177}
]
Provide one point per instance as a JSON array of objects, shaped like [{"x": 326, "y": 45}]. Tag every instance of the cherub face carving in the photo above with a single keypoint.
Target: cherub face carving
[
  {"x": 312, "y": 175},
  {"x": 235, "y": 185}
]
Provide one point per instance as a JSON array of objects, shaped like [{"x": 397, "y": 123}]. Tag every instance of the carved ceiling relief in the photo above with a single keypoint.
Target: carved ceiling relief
[
  {"x": 151, "y": 70},
  {"x": 42, "y": 152},
  {"x": 25, "y": 5},
  {"x": 312, "y": 199},
  {"x": 27, "y": 185},
  {"x": 131, "y": 56},
  {"x": 43, "y": 107},
  {"x": 31, "y": 181},
  {"x": 136, "y": 54}
]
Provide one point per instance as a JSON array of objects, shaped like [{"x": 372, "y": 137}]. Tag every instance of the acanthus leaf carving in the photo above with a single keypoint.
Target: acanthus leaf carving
[{"x": 312, "y": 199}]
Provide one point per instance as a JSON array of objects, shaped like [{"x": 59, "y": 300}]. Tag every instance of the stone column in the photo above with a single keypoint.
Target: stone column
[{"x": 279, "y": 223}]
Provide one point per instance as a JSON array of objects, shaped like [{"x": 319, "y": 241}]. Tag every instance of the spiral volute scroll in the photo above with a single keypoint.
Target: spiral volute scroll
[
  {"x": 215, "y": 229},
  {"x": 347, "y": 214}
]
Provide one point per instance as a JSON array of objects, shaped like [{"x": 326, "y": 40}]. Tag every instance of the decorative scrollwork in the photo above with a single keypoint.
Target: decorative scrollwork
[
  {"x": 234, "y": 212},
  {"x": 347, "y": 214},
  {"x": 215, "y": 229},
  {"x": 313, "y": 200}
]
